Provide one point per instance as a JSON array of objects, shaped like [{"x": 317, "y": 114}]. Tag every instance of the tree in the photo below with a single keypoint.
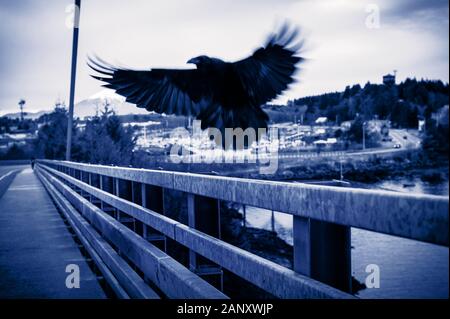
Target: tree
[
  {"x": 15, "y": 152},
  {"x": 302, "y": 111},
  {"x": 105, "y": 141},
  {"x": 435, "y": 142},
  {"x": 354, "y": 134},
  {"x": 399, "y": 103},
  {"x": 51, "y": 139}
]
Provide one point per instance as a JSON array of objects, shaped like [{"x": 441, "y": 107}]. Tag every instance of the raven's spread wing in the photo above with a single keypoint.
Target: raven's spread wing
[
  {"x": 221, "y": 95},
  {"x": 269, "y": 71},
  {"x": 180, "y": 92}
]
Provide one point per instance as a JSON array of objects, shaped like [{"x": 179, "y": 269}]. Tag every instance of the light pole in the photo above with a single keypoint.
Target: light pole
[
  {"x": 76, "y": 23},
  {"x": 21, "y": 104}
]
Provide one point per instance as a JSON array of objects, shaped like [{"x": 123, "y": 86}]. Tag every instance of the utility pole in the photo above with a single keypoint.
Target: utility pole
[{"x": 76, "y": 23}]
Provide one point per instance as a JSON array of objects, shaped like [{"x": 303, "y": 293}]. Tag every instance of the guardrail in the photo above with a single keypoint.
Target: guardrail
[{"x": 109, "y": 198}]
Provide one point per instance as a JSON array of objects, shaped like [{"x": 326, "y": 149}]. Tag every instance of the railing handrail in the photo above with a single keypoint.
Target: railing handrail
[
  {"x": 415, "y": 216},
  {"x": 322, "y": 217},
  {"x": 171, "y": 277},
  {"x": 286, "y": 282}
]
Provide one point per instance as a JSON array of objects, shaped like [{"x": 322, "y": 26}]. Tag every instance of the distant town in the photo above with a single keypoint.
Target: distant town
[{"x": 356, "y": 119}]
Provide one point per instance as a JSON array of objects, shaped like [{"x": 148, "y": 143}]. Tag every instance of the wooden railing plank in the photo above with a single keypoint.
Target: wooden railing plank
[
  {"x": 171, "y": 277},
  {"x": 284, "y": 282},
  {"x": 415, "y": 216}
]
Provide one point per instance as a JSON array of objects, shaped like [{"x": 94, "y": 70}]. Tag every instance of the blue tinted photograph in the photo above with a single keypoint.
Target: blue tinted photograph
[{"x": 239, "y": 153}]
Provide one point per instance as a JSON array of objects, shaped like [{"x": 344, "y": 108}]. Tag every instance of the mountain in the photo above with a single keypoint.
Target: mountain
[
  {"x": 96, "y": 102},
  {"x": 92, "y": 105},
  {"x": 26, "y": 115}
]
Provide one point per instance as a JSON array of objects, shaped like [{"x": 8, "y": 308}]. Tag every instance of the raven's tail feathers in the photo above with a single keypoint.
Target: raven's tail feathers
[{"x": 245, "y": 125}]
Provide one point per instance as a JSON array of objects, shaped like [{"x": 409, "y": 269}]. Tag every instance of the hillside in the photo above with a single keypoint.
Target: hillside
[
  {"x": 26, "y": 115},
  {"x": 401, "y": 103}
]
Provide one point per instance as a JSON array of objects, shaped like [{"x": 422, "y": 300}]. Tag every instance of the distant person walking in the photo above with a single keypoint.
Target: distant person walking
[{"x": 33, "y": 161}]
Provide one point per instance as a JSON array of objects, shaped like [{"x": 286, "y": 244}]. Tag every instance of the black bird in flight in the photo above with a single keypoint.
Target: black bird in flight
[{"x": 220, "y": 94}]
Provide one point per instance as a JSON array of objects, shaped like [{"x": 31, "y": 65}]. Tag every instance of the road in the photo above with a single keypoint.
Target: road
[
  {"x": 411, "y": 140},
  {"x": 7, "y": 174},
  {"x": 8, "y": 168}
]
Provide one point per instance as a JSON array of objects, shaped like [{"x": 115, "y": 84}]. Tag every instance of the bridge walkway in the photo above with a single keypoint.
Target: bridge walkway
[{"x": 36, "y": 246}]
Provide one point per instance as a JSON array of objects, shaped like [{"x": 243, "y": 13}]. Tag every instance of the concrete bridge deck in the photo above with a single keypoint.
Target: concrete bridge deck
[{"x": 36, "y": 246}]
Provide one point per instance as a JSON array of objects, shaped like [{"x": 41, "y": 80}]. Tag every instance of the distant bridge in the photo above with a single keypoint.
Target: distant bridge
[{"x": 121, "y": 219}]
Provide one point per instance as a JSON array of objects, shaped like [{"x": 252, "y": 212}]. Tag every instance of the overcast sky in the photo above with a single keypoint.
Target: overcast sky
[{"x": 344, "y": 45}]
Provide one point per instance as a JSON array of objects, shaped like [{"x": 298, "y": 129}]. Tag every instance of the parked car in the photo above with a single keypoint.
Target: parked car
[{"x": 397, "y": 146}]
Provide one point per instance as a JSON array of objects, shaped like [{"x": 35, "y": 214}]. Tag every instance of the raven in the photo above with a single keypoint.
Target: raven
[{"x": 220, "y": 94}]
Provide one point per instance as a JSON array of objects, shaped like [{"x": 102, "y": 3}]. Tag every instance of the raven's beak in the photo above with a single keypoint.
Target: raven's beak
[{"x": 192, "y": 61}]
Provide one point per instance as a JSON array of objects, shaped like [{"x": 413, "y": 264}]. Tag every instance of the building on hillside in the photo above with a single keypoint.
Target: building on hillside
[
  {"x": 379, "y": 126},
  {"x": 421, "y": 124},
  {"x": 372, "y": 126},
  {"x": 321, "y": 120},
  {"x": 389, "y": 79},
  {"x": 346, "y": 125},
  {"x": 326, "y": 143}
]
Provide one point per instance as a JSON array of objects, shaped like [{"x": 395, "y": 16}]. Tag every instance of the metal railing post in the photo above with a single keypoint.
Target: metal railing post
[
  {"x": 144, "y": 204},
  {"x": 102, "y": 205},
  {"x": 204, "y": 215},
  {"x": 322, "y": 252},
  {"x": 272, "y": 221},
  {"x": 116, "y": 193},
  {"x": 152, "y": 197},
  {"x": 191, "y": 223},
  {"x": 244, "y": 222}
]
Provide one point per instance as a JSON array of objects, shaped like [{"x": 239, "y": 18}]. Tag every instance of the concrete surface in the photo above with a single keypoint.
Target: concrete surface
[{"x": 36, "y": 246}]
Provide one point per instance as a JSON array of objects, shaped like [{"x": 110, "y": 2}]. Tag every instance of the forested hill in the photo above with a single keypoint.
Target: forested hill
[{"x": 401, "y": 103}]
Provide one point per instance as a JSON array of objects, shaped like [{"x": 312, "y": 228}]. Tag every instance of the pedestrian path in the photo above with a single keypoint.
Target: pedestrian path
[{"x": 36, "y": 246}]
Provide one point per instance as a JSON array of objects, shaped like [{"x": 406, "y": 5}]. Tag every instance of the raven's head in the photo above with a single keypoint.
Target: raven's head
[{"x": 200, "y": 60}]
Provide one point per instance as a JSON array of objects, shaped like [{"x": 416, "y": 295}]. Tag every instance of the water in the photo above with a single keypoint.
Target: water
[
  {"x": 413, "y": 185},
  {"x": 408, "y": 268}
]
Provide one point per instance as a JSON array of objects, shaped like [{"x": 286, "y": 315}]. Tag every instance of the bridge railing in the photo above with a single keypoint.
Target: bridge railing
[{"x": 110, "y": 197}]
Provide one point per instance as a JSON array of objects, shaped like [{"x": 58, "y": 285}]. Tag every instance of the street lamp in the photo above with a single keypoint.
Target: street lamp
[
  {"x": 76, "y": 24},
  {"x": 21, "y": 104}
]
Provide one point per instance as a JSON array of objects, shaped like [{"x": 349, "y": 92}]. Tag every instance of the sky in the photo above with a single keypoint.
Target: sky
[{"x": 346, "y": 41}]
